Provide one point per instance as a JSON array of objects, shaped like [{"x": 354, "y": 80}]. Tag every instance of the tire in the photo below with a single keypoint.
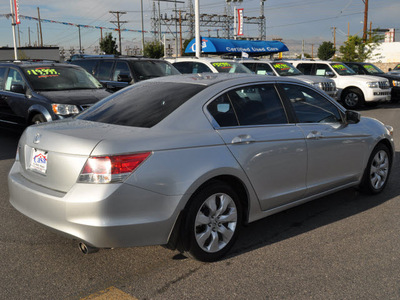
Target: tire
[
  {"x": 212, "y": 222},
  {"x": 37, "y": 119},
  {"x": 353, "y": 98},
  {"x": 376, "y": 174}
]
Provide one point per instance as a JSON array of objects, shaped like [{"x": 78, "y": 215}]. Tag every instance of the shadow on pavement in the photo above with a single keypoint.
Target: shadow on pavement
[{"x": 313, "y": 215}]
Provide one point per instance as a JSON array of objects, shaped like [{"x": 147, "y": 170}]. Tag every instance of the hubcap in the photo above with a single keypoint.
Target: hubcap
[
  {"x": 215, "y": 222},
  {"x": 379, "y": 169},
  {"x": 351, "y": 99}
]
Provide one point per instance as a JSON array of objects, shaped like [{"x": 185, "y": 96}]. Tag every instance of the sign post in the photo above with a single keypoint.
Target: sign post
[{"x": 14, "y": 21}]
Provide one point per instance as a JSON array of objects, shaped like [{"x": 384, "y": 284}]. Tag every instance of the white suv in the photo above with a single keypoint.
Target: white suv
[
  {"x": 282, "y": 68},
  {"x": 353, "y": 90},
  {"x": 190, "y": 65}
]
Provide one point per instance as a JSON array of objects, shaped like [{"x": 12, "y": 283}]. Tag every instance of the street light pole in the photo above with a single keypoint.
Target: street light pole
[{"x": 197, "y": 27}]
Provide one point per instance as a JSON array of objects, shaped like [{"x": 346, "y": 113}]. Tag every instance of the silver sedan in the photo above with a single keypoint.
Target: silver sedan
[{"x": 185, "y": 161}]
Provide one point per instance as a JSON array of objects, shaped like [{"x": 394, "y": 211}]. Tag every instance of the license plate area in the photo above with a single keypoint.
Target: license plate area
[{"x": 38, "y": 161}]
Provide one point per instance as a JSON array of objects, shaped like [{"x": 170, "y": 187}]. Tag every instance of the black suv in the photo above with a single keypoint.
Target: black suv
[
  {"x": 118, "y": 72},
  {"x": 32, "y": 92},
  {"x": 370, "y": 69}
]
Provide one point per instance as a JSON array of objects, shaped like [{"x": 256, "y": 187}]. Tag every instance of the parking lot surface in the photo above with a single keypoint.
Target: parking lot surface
[{"x": 344, "y": 246}]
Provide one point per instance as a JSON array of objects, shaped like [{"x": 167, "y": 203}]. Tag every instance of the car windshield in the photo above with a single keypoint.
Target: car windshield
[
  {"x": 397, "y": 68},
  {"x": 60, "y": 78},
  {"x": 342, "y": 69},
  {"x": 230, "y": 67},
  {"x": 371, "y": 69},
  {"x": 285, "y": 69},
  {"x": 148, "y": 69},
  {"x": 142, "y": 105}
]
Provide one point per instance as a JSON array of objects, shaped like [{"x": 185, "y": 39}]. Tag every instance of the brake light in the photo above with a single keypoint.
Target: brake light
[{"x": 108, "y": 169}]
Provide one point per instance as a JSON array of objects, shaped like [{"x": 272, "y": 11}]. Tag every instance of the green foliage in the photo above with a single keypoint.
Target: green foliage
[
  {"x": 326, "y": 50},
  {"x": 306, "y": 55},
  {"x": 108, "y": 45},
  {"x": 154, "y": 49},
  {"x": 354, "y": 49}
]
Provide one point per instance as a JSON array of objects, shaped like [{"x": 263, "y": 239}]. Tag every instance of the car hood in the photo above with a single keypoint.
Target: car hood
[
  {"x": 366, "y": 78},
  {"x": 312, "y": 79},
  {"x": 77, "y": 97}
]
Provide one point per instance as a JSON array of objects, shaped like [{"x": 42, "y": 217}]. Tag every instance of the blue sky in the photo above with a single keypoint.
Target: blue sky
[{"x": 291, "y": 20}]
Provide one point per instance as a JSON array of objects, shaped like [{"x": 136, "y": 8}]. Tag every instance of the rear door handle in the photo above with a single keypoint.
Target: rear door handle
[
  {"x": 315, "y": 135},
  {"x": 243, "y": 139}
]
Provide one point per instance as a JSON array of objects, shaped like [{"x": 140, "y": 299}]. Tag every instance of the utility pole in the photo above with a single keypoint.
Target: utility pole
[
  {"x": 365, "y": 21},
  {"x": 118, "y": 22},
  {"x": 40, "y": 28}
]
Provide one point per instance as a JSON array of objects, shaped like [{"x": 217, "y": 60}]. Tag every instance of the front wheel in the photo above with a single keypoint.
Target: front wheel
[
  {"x": 353, "y": 98},
  {"x": 212, "y": 222},
  {"x": 377, "y": 172},
  {"x": 39, "y": 118}
]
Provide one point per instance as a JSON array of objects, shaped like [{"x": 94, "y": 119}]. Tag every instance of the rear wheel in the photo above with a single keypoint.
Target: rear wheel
[
  {"x": 212, "y": 221},
  {"x": 377, "y": 172},
  {"x": 39, "y": 118},
  {"x": 353, "y": 98}
]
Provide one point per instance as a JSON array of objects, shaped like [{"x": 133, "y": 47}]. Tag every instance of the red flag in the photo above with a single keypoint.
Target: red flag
[
  {"x": 16, "y": 12},
  {"x": 240, "y": 21}
]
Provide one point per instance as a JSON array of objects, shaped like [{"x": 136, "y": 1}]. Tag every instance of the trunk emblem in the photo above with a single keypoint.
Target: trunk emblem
[{"x": 36, "y": 139}]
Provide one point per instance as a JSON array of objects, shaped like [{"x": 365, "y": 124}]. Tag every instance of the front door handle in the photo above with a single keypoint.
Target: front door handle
[
  {"x": 315, "y": 135},
  {"x": 243, "y": 139}
]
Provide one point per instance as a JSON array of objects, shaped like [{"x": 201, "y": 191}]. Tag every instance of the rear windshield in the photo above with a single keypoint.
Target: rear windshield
[
  {"x": 142, "y": 105},
  {"x": 60, "y": 78},
  {"x": 148, "y": 69}
]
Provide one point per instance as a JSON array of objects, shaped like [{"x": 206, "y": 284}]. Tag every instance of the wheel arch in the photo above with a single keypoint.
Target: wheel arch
[
  {"x": 348, "y": 88},
  {"x": 177, "y": 240},
  {"x": 38, "y": 109}
]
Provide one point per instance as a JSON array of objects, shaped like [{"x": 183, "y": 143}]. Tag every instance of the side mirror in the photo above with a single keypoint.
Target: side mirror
[
  {"x": 17, "y": 88},
  {"x": 390, "y": 69},
  {"x": 124, "y": 78},
  {"x": 352, "y": 117},
  {"x": 330, "y": 74}
]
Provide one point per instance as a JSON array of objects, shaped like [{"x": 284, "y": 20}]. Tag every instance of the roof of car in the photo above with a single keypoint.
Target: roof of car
[
  {"x": 203, "y": 59},
  {"x": 208, "y": 79},
  {"x": 132, "y": 58},
  {"x": 34, "y": 63}
]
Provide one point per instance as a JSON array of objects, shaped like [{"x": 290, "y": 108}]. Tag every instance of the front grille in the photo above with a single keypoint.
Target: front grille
[
  {"x": 328, "y": 87},
  {"x": 381, "y": 93},
  {"x": 384, "y": 85}
]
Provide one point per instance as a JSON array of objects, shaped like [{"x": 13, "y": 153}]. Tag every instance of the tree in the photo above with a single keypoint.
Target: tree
[
  {"x": 108, "y": 45},
  {"x": 326, "y": 50},
  {"x": 354, "y": 49},
  {"x": 306, "y": 55},
  {"x": 154, "y": 49}
]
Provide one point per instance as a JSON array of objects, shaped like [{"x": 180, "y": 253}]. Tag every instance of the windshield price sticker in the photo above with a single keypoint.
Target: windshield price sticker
[
  {"x": 339, "y": 67},
  {"x": 281, "y": 66},
  {"x": 43, "y": 72},
  {"x": 39, "y": 161},
  {"x": 222, "y": 65}
]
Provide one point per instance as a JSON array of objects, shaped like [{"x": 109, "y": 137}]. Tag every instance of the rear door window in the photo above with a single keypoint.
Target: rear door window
[
  {"x": 88, "y": 64},
  {"x": 104, "y": 70},
  {"x": 121, "y": 68}
]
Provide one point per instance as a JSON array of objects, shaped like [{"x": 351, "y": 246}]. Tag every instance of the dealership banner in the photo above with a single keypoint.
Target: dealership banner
[
  {"x": 16, "y": 12},
  {"x": 240, "y": 21}
]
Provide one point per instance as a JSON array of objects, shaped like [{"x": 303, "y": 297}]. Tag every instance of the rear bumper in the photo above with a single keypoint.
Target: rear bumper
[{"x": 103, "y": 216}]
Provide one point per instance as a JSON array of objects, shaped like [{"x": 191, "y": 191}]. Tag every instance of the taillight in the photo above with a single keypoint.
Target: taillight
[{"x": 108, "y": 169}]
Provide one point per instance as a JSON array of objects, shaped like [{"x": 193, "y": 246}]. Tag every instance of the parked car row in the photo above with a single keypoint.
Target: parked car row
[{"x": 56, "y": 91}]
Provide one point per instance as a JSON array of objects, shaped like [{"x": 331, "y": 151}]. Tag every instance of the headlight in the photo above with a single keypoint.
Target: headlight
[
  {"x": 373, "y": 85},
  {"x": 65, "y": 109},
  {"x": 396, "y": 83}
]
